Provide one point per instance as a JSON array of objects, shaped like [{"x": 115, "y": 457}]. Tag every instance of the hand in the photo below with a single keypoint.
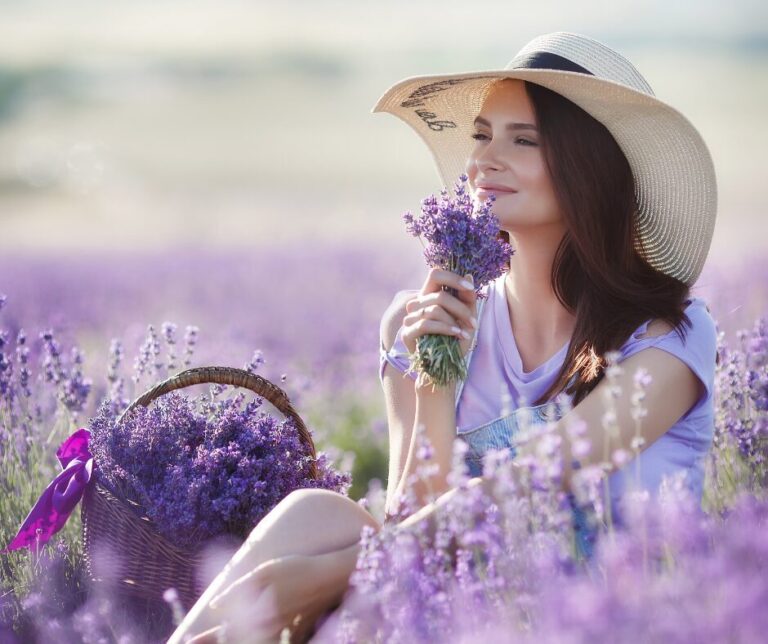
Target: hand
[
  {"x": 435, "y": 310},
  {"x": 290, "y": 591}
]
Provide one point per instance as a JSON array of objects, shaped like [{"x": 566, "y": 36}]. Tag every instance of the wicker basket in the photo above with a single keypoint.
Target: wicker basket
[{"x": 143, "y": 564}]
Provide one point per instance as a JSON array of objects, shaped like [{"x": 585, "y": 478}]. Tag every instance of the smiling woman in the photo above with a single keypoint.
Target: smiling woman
[{"x": 608, "y": 196}]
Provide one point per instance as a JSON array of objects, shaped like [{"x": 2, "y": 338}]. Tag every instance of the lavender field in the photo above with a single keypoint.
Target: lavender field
[{"x": 78, "y": 330}]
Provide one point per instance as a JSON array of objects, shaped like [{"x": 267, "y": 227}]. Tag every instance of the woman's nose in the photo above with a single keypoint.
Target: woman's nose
[{"x": 487, "y": 158}]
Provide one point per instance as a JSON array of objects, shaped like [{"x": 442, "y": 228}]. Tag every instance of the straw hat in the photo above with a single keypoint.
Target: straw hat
[{"x": 674, "y": 175}]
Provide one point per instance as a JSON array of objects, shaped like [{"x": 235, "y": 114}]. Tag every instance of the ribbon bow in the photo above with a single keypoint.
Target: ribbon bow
[{"x": 61, "y": 496}]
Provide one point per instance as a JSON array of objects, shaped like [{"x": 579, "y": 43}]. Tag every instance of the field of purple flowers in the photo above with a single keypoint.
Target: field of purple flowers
[{"x": 75, "y": 331}]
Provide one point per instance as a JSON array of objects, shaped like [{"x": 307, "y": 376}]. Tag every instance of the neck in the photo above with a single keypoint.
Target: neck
[{"x": 533, "y": 305}]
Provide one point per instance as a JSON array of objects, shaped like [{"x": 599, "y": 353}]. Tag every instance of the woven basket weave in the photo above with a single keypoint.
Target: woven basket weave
[{"x": 139, "y": 561}]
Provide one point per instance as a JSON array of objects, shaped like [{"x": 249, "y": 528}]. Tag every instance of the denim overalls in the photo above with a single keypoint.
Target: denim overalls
[{"x": 499, "y": 434}]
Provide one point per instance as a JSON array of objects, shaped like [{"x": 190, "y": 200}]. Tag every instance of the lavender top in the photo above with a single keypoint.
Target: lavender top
[{"x": 496, "y": 383}]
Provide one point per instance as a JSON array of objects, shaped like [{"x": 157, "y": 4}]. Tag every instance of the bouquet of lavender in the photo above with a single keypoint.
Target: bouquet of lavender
[
  {"x": 201, "y": 475},
  {"x": 462, "y": 239}
]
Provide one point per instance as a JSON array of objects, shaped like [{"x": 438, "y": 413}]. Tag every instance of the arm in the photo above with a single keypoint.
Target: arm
[
  {"x": 436, "y": 418},
  {"x": 673, "y": 391},
  {"x": 399, "y": 396},
  {"x": 411, "y": 405}
]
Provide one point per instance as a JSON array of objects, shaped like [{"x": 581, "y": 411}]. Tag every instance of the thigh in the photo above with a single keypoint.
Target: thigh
[
  {"x": 309, "y": 521},
  {"x": 306, "y": 522}
]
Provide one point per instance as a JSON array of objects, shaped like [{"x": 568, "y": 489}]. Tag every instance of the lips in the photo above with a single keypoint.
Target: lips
[{"x": 493, "y": 187}]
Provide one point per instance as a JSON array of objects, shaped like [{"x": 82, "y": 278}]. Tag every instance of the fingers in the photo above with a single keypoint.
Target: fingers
[
  {"x": 438, "y": 277},
  {"x": 445, "y": 307},
  {"x": 447, "y": 313},
  {"x": 441, "y": 305},
  {"x": 418, "y": 326},
  {"x": 437, "y": 311}
]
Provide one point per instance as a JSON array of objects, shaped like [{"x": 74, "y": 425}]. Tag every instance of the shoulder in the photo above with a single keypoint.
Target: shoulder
[
  {"x": 702, "y": 331},
  {"x": 392, "y": 319},
  {"x": 695, "y": 347}
]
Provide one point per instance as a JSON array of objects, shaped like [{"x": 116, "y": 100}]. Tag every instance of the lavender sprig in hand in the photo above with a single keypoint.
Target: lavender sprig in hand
[{"x": 465, "y": 240}]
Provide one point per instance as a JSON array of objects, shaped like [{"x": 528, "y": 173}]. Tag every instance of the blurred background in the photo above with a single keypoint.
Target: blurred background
[
  {"x": 233, "y": 123},
  {"x": 202, "y": 182},
  {"x": 217, "y": 164}
]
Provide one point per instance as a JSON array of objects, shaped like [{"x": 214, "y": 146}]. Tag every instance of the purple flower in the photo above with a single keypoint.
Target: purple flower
[
  {"x": 168, "y": 330},
  {"x": 203, "y": 467},
  {"x": 256, "y": 361},
  {"x": 466, "y": 241},
  {"x": 190, "y": 341},
  {"x": 67, "y": 375},
  {"x": 148, "y": 359},
  {"x": 6, "y": 369},
  {"x": 461, "y": 238}
]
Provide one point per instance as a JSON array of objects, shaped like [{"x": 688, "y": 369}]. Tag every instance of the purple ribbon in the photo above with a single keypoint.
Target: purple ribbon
[{"x": 61, "y": 496}]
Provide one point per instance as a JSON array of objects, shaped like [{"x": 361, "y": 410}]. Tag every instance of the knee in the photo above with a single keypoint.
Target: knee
[
  {"x": 327, "y": 505},
  {"x": 308, "y": 498}
]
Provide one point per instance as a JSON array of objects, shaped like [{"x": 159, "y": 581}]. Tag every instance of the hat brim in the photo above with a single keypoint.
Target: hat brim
[{"x": 674, "y": 174}]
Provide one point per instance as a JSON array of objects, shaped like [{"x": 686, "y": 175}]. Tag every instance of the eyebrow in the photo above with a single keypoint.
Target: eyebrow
[{"x": 509, "y": 126}]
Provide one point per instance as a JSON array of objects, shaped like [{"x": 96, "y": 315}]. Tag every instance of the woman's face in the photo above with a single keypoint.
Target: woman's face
[{"x": 507, "y": 160}]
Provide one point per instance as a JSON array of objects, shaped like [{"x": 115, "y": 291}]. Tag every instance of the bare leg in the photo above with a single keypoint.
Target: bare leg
[{"x": 308, "y": 522}]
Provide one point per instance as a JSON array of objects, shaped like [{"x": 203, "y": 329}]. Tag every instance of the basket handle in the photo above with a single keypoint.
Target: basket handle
[{"x": 230, "y": 376}]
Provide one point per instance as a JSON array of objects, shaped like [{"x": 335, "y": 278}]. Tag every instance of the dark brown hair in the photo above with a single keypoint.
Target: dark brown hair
[{"x": 598, "y": 272}]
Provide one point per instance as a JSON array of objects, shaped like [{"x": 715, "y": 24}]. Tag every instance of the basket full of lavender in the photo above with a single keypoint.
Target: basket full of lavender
[{"x": 175, "y": 476}]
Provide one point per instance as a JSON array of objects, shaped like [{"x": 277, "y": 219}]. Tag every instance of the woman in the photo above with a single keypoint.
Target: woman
[{"x": 608, "y": 197}]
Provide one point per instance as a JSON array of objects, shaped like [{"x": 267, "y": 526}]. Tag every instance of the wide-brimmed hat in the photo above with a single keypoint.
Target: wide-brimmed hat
[{"x": 675, "y": 183}]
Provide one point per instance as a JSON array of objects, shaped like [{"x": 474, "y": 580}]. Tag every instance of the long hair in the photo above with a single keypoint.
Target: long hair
[{"x": 598, "y": 273}]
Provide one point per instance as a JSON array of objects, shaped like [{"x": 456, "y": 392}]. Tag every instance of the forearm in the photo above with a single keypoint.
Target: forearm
[{"x": 436, "y": 417}]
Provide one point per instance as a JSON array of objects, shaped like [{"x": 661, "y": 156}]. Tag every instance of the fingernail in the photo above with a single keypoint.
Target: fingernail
[
  {"x": 462, "y": 332},
  {"x": 455, "y": 329},
  {"x": 466, "y": 284},
  {"x": 473, "y": 321}
]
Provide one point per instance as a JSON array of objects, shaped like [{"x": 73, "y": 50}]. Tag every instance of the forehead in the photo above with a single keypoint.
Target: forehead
[{"x": 507, "y": 98}]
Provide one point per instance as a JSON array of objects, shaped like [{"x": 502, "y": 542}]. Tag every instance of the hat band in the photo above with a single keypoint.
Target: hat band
[
  {"x": 418, "y": 98},
  {"x": 546, "y": 60}
]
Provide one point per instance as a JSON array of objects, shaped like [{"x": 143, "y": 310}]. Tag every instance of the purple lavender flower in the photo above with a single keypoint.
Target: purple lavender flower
[
  {"x": 6, "y": 369},
  {"x": 741, "y": 417},
  {"x": 52, "y": 367},
  {"x": 168, "y": 330},
  {"x": 115, "y": 380},
  {"x": 256, "y": 361},
  {"x": 22, "y": 359},
  {"x": 190, "y": 341},
  {"x": 205, "y": 467},
  {"x": 464, "y": 240},
  {"x": 461, "y": 238},
  {"x": 75, "y": 387},
  {"x": 148, "y": 359}
]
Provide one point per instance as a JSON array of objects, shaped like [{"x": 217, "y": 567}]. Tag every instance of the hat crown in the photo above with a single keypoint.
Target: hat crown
[{"x": 592, "y": 55}]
